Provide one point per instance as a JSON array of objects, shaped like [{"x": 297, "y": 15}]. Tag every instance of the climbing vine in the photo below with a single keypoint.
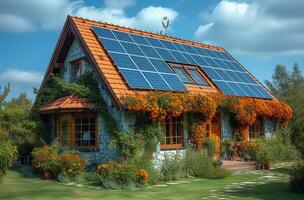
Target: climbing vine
[{"x": 200, "y": 108}]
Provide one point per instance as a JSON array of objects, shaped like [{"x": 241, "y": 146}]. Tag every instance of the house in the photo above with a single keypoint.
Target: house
[{"x": 134, "y": 62}]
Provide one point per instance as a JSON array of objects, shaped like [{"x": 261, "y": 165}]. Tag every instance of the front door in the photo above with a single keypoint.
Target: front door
[{"x": 215, "y": 133}]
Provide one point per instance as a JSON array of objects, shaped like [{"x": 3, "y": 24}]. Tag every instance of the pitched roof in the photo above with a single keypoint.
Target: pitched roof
[
  {"x": 68, "y": 103},
  {"x": 113, "y": 79}
]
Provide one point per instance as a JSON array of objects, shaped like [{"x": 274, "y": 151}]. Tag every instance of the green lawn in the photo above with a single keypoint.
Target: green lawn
[{"x": 250, "y": 185}]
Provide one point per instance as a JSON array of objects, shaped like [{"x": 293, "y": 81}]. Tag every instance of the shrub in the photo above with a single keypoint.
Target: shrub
[
  {"x": 7, "y": 154},
  {"x": 172, "y": 167},
  {"x": 46, "y": 158},
  {"x": 114, "y": 175},
  {"x": 198, "y": 164},
  {"x": 264, "y": 155},
  {"x": 143, "y": 176},
  {"x": 248, "y": 150},
  {"x": 63, "y": 166},
  {"x": 145, "y": 162},
  {"x": 297, "y": 178},
  {"x": 72, "y": 164},
  {"x": 210, "y": 146},
  {"x": 93, "y": 178}
]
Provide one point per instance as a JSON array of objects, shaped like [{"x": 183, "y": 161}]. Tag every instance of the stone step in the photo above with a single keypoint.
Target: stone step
[
  {"x": 241, "y": 168},
  {"x": 239, "y": 165}
]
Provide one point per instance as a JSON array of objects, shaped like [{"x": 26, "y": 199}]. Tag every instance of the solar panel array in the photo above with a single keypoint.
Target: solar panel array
[{"x": 142, "y": 62}]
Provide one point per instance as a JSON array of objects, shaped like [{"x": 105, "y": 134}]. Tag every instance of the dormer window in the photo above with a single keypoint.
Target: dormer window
[{"x": 189, "y": 74}]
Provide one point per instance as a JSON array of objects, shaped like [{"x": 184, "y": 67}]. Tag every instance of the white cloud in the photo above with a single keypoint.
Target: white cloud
[
  {"x": 21, "y": 76},
  {"x": 14, "y": 23},
  {"x": 31, "y": 15},
  {"x": 259, "y": 26},
  {"x": 20, "y": 81},
  {"x": 119, "y": 3}
]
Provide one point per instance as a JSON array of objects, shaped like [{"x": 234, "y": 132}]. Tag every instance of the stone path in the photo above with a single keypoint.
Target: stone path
[{"x": 230, "y": 191}]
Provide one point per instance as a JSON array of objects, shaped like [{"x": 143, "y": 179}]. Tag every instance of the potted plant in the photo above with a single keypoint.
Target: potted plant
[{"x": 264, "y": 158}]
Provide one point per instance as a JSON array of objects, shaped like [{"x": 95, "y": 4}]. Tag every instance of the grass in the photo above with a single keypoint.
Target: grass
[{"x": 262, "y": 185}]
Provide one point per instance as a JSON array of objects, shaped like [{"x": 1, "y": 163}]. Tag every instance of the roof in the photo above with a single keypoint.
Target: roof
[
  {"x": 106, "y": 68},
  {"x": 68, "y": 103},
  {"x": 116, "y": 82}
]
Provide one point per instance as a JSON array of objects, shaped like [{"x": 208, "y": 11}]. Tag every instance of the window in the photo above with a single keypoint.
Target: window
[
  {"x": 197, "y": 77},
  {"x": 257, "y": 129},
  {"x": 77, "y": 130},
  {"x": 182, "y": 75},
  {"x": 189, "y": 74},
  {"x": 173, "y": 133},
  {"x": 77, "y": 69}
]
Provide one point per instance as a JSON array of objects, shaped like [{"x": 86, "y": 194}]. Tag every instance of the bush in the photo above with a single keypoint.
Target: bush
[
  {"x": 145, "y": 162},
  {"x": 46, "y": 158},
  {"x": 67, "y": 165},
  {"x": 143, "y": 176},
  {"x": 172, "y": 167},
  {"x": 7, "y": 154},
  {"x": 210, "y": 146},
  {"x": 275, "y": 150},
  {"x": 123, "y": 175},
  {"x": 93, "y": 178},
  {"x": 198, "y": 164},
  {"x": 195, "y": 163},
  {"x": 297, "y": 178},
  {"x": 71, "y": 164},
  {"x": 248, "y": 150}
]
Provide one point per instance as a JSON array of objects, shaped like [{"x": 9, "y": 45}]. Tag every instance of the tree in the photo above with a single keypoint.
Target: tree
[
  {"x": 17, "y": 124},
  {"x": 7, "y": 149},
  {"x": 289, "y": 87},
  {"x": 4, "y": 93}
]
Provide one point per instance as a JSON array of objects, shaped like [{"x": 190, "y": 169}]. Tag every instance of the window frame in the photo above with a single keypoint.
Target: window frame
[
  {"x": 72, "y": 125},
  {"x": 174, "y": 66},
  {"x": 186, "y": 68},
  {"x": 74, "y": 65},
  {"x": 256, "y": 132},
  {"x": 177, "y": 121}
]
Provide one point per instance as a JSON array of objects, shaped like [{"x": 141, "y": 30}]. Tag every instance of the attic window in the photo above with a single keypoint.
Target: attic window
[
  {"x": 77, "y": 69},
  {"x": 189, "y": 74}
]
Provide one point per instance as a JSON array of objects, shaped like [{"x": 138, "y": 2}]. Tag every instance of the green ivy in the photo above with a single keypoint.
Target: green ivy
[{"x": 145, "y": 136}]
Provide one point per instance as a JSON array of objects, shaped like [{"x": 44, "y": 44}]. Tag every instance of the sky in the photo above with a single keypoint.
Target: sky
[{"x": 259, "y": 33}]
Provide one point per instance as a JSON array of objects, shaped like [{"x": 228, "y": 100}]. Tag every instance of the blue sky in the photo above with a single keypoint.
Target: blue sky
[{"x": 258, "y": 33}]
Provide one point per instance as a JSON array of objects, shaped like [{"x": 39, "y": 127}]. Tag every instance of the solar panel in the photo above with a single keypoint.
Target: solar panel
[
  {"x": 135, "y": 79},
  {"x": 104, "y": 33},
  {"x": 160, "y": 65},
  {"x": 112, "y": 45},
  {"x": 132, "y": 48},
  {"x": 143, "y": 63},
  {"x": 149, "y": 51},
  {"x": 146, "y": 54},
  {"x": 165, "y": 54},
  {"x": 174, "y": 82},
  {"x": 122, "y": 36},
  {"x": 156, "y": 81},
  {"x": 179, "y": 57},
  {"x": 139, "y": 39},
  {"x": 123, "y": 61}
]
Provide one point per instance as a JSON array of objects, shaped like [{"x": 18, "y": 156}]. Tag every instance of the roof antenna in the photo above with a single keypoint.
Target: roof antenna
[{"x": 165, "y": 24}]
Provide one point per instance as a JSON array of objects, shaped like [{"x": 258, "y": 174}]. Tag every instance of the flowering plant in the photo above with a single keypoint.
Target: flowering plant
[
  {"x": 72, "y": 164},
  {"x": 46, "y": 158},
  {"x": 243, "y": 110},
  {"x": 143, "y": 176}
]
